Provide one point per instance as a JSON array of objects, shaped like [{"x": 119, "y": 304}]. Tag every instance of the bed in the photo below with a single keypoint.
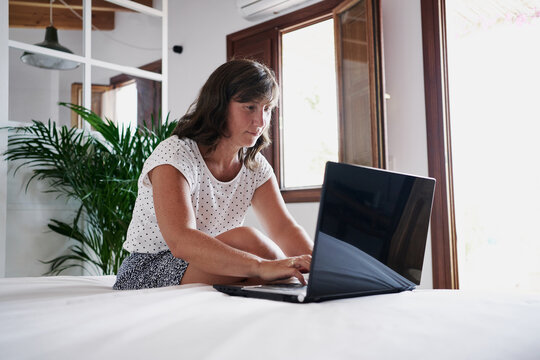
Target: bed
[{"x": 68, "y": 317}]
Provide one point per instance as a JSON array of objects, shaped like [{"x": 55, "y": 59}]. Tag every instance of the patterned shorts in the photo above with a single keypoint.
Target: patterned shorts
[{"x": 143, "y": 271}]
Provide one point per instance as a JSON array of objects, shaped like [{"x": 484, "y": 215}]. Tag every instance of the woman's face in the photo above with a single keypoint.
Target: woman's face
[{"x": 247, "y": 121}]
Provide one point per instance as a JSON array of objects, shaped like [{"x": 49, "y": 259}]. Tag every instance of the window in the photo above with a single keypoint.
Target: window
[
  {"x": 125, "y": 105},
  {"x": 491, "y": 105},
  {"x": 440, "y": 158},
  {"x": 137, "y": 104},
  {"x": 443, "y": 233},
  {"x": 309, "y": 108},
  {"x": 327, "y": 60}
]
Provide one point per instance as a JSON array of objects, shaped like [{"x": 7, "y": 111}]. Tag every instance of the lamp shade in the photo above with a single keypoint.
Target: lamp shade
[{"x": 46, "y": 61}]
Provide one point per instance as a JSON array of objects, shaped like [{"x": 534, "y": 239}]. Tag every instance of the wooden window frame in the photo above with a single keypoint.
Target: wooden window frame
[
  {"x": 443, "y": 229},
  {"x": 148, "y": 97},
  {"x": 268, "y": 34},
  {"x": 152, "y": 97},
  {"x": 77, "y": 99},
  {"x": 349, "y": 152},
  {"x": 304, "y": 194}
]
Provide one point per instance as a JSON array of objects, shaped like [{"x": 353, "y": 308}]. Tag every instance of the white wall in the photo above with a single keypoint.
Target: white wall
[
  {"x": 29, "y": 240},
  {"x": 406, "y": 118},
  {"x": 402, "y": 31}
]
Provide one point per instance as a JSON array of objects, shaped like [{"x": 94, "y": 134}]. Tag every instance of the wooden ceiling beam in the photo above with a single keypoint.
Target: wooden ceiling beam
[
  {"x": 35, "y": 13},
  {"x": 97, "y": 5},
  {"x": 24, "y": 17}
]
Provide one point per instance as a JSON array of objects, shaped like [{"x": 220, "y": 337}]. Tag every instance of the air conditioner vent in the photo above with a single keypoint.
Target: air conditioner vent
[{"x": 257, "y": 9}]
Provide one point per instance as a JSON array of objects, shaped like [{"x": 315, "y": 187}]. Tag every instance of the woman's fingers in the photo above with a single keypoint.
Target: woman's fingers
[
  {"x": 291, "y": 272},
  {"x": 302, "y": 263},
  {"x": 300, "y": 277},
  {"x": 290, "y": 267}
]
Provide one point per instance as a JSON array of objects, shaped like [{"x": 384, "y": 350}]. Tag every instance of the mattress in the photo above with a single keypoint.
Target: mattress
[{"x": 69, "y": 317}]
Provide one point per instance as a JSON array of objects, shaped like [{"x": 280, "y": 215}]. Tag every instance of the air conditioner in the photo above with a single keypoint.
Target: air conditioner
[{"x": 257, "y": 9}]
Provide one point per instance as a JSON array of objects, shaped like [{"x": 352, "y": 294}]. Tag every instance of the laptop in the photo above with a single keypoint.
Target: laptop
[{"x": 370, "y": 237}]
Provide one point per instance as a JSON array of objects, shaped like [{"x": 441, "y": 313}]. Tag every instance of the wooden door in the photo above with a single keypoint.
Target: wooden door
[{"x": 360, "y": 82}]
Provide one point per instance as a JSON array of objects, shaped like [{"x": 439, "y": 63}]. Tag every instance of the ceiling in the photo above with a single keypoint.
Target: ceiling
[{"x": 36, "y": 13}]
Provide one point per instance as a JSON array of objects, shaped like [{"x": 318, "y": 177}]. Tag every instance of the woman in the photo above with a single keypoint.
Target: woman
[{"x": 197, "y": 185}]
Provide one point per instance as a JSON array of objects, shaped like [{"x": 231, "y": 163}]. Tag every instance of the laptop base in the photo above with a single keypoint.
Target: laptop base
[
  {"x": 238, "y": 290},
  {"x": 235, "y": 290}
]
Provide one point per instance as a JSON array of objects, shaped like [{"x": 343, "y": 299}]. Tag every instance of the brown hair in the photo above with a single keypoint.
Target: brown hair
[{"x": 206, "y": 119}]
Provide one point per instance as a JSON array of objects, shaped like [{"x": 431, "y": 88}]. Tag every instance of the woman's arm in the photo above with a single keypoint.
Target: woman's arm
[
  {"x": 278, "y": 222},
  {"x": 177, "y": 223}
]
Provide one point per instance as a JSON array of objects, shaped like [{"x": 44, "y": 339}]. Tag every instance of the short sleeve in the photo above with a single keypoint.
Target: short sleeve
[
  {"x": 172, "y": 151},
  {"x": 264, "y": 170}
]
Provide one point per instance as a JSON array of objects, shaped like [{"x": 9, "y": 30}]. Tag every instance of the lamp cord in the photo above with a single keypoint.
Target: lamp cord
[{"x": 50, "y": 13}]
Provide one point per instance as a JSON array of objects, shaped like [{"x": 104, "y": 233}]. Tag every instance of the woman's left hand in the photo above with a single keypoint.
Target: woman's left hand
[{"x": 281, "y": 269}]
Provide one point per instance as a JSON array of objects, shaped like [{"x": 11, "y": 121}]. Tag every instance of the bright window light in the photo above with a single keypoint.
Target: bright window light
[
  {"x": 126, "y": 106},
  {"x": 494, "y": 82},
  {"x": 309, "y": 110}
]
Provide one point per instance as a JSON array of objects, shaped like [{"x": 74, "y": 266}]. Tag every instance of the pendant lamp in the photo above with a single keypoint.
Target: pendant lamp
[{"x": 50, "y": 42}]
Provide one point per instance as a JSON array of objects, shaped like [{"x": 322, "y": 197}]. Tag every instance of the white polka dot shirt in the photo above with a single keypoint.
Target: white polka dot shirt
[{"x": 218, "y": 206}]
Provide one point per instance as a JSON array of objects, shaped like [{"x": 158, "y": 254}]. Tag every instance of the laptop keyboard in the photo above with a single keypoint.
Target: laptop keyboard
[{"x": 282, "y": 288}]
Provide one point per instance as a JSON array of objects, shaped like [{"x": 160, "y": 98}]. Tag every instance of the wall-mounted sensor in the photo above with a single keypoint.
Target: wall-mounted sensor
[{"x": 178, "y": 49}]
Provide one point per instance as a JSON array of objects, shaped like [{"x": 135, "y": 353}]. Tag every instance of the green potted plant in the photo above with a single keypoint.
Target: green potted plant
[{"x": 99, "y": 169}]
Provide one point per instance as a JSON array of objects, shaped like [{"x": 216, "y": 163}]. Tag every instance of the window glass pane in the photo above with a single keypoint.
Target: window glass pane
[
  {"x": 34, "y": 92},
  {"x": 494, "y": 90},
  {"x": 309, "y": 109},
  {"x": 28, "y": 22},
  {"x": 357, "y": 66},
  {"x": 126, "y": 104},
  {"x": 125, "y": 99},
  {"x": 128, "y": 38}
]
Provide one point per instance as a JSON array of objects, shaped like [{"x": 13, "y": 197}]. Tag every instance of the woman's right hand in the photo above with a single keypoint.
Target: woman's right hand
[{"x": 284, "y": 268}]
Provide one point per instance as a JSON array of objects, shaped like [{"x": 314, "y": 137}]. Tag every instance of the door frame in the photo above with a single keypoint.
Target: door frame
[{"x": 443, "y": 228}]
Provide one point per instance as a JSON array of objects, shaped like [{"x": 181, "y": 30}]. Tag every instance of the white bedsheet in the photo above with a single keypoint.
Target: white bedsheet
[{"x": 82, "y": 318}]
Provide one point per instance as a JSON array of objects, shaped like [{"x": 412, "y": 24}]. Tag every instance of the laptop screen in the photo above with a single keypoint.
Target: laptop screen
[{"x": 371, "y": 220}]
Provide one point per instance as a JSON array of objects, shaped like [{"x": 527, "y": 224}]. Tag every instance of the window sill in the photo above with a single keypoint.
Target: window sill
[{"x": 301, "y": 195}]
